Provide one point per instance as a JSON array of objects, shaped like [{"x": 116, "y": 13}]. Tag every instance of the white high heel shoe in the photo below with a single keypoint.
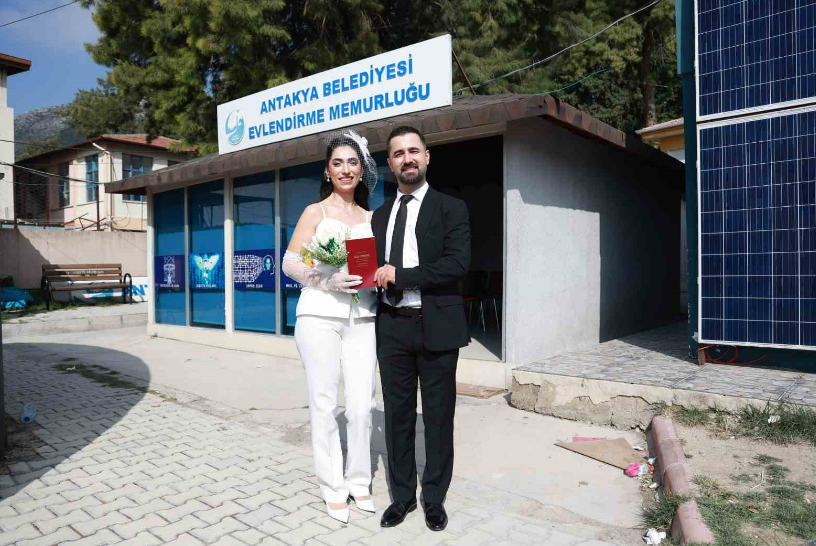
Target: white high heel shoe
[
  {"x": 367, "y": 505},
  {"x": 340, "y": 514}
]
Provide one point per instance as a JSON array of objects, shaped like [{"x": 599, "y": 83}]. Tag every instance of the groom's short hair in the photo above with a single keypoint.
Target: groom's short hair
[{"x": 404, "y": 130}]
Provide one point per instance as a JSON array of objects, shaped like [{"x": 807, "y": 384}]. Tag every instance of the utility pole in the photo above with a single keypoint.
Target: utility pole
[{"x": 99, "y": 188}]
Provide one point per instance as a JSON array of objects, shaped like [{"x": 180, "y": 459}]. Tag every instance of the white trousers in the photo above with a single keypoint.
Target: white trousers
[{"x": 327, "y": 346}]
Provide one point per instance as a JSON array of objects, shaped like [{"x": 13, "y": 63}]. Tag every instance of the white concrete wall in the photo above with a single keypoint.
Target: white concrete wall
[
  {"x": 591, "y": 246},
  {"x": 6, "y": 152},
  {"x": 24, "y": 251}
]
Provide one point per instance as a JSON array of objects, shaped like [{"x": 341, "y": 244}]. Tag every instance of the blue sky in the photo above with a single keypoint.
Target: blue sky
[{"x": 53, "y": 43}]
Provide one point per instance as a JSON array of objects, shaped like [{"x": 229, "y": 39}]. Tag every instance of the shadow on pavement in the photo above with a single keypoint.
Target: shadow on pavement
[{"x": 76, "y": 406}]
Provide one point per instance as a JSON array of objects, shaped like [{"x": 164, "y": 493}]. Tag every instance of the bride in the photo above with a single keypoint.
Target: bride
[{"x": 335, "y": 332}]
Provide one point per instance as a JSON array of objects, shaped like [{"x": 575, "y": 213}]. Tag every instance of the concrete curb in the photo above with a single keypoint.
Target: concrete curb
[
  {"x": 676, "y": 476},
  {"x": 85, "y": 324}
]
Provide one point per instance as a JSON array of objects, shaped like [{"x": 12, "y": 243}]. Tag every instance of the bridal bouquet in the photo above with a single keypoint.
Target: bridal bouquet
[{"x": 328, "y": 247}]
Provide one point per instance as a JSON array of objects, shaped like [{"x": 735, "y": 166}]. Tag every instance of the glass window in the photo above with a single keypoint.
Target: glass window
[
  {"x": 92, "y": 176},
  {"x": 168, "y": 225},
  {"x": 255, "y": 256},
  {"x": 206, "y": 260},
  {"x": 299, "y": 188},
  {"x": 63, "y": 186},
  {"x": 134, "y": 165}
]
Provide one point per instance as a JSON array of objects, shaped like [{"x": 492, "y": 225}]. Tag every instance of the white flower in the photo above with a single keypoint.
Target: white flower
[{"x": 324, "y": 238}]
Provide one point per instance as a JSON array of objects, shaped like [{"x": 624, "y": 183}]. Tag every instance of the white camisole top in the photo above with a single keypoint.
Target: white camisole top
[{"x": 330, "y": 303}]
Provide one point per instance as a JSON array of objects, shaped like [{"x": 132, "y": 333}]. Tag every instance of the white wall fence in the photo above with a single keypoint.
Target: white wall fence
[{"x": 24, "y": 251}]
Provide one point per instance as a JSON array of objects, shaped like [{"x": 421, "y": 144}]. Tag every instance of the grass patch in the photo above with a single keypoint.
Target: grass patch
[
  {"x": 742, "y": 478},
  {"x": 660, "y": 513},
  {"x": 796, "y": 423},
  {"x": 777, "y": 473},
  {"x": 691, "y": 417},
  {"x": 766, "y": 459},
  {"x": 780, "y": 504},
  {"x": 95, "y": 374}
]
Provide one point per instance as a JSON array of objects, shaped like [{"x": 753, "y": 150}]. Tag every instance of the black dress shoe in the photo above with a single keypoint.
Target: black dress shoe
[
  {"x": 395, "y": 514},
  {"x": 435, "y": 516}
]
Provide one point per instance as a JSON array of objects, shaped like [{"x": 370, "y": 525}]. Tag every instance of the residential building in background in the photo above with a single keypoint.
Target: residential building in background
[
  {"x": 666, "y": 136},
  {"x": 8, "y": 67},
  {"x": 71, "y": 194}
]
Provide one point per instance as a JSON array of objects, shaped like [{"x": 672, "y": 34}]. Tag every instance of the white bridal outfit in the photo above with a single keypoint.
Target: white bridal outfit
[{"x": 334, "y": 335}]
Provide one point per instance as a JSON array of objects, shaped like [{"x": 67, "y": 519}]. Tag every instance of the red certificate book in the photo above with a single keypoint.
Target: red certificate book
[{"x": 362, "y": 260}]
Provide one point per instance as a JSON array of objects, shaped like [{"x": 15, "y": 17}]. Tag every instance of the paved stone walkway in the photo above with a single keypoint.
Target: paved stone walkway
[
  {"x": 119, "y": 466},
  {"x": 85, "y": 311},
  {"x": 79, "y": 319},
  {"x": 658, "y": 358}
]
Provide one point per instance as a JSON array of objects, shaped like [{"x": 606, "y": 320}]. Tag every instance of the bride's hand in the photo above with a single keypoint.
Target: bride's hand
[{"x": 343, "y": 282}]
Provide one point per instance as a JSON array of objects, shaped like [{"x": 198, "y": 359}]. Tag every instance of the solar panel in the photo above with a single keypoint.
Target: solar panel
[
  {"x": 752, "y": 54},
  {"x": 757, "y": 196}
]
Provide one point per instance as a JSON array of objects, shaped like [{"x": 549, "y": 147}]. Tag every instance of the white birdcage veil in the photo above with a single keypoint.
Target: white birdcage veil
[{"x": 369, "y": 174}]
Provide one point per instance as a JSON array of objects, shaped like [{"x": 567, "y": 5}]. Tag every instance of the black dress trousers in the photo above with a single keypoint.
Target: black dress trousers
[{"x": 403, "y": 360}]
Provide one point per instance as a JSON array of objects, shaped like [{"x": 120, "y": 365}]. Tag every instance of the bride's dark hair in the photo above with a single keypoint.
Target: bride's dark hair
[{"x": 326, "y": 187}]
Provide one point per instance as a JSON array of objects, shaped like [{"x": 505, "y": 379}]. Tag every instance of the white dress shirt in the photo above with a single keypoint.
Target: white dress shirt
[{"x": 410, "y": 249}]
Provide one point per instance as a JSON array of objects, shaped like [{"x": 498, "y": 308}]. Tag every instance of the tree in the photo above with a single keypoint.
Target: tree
[
  {"x": 104, "y": 110},
  {"x": 32, "y": 149},
  {"x": 173, "y": 61},
  {"x": 181, "y": 58},
  {"x": 633, "y": 80}
]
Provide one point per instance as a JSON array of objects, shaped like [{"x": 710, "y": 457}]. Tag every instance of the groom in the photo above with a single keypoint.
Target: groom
[{"x": 423, "y": 249}]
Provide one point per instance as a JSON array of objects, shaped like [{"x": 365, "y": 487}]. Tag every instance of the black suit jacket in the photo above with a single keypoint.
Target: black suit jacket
[{"x": 443, "y": 240}]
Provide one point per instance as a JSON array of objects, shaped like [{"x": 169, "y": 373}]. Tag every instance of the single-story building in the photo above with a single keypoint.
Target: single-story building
[{"x": 574, "y": 224}]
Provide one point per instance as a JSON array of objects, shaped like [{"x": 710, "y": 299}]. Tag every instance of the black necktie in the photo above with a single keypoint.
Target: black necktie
[{"x": 397, "y": 243}]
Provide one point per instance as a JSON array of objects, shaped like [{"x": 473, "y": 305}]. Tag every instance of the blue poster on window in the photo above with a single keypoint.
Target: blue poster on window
[
  {"x": 168, "y": 272},
  {"x": 286, "y": 282},
  {"x": 207, "y": 271},
  {"x": 254, "y": 269}
]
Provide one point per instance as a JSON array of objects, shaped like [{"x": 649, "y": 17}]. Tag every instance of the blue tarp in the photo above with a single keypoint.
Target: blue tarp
[{"x": 15, "y": 298}]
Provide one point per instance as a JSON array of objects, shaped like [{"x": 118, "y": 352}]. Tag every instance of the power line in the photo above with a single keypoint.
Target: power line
[
  {"x": 44, "y": 145},
  {"x": 576, "y": 82},
  {"x": 41, "y": 13},
  {"x": 554, "y": 55},
  {"x": 43, "y": 173}
]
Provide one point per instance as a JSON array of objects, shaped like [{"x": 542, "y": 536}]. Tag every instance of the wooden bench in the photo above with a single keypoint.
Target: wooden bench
[{"x": 108, "y": 275}]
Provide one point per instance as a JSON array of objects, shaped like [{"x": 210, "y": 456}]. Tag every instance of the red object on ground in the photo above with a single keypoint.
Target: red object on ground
[{"x": 585, "y": 439}]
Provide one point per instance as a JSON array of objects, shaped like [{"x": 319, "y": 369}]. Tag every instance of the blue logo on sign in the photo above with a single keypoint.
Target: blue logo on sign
[{"x": 235, "y": 127}]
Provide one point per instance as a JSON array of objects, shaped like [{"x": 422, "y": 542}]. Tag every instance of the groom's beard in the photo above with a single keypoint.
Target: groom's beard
[{"x": 412, "y": 179}]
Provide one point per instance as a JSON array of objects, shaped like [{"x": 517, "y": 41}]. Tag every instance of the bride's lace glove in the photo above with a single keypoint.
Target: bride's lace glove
[{"x": 339, "y": 281}]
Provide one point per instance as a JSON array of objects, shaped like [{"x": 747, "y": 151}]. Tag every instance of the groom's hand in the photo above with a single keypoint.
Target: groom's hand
[{"x": 384, "y": 275}]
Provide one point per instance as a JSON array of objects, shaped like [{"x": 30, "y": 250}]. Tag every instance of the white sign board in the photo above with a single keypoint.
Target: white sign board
[
  {"x": 98, "y": 290},
  {"x": 414, "y": 78}
]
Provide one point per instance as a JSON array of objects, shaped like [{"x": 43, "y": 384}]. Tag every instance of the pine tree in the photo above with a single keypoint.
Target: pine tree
[{"x": 104, "y": 110}]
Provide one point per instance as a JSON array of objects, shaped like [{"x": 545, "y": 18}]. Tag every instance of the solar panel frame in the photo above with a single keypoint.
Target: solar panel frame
[
  {"x": 804, "y": 218},
  {"x": 809, "y": 61}
]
